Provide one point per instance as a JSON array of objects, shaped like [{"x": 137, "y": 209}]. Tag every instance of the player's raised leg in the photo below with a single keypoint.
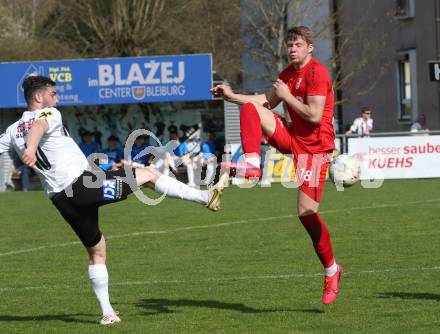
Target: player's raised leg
[
  {"x": 171, "y": 187},
  {"x": 254, "y": 121},
  {"x": 317, "y": 229}
]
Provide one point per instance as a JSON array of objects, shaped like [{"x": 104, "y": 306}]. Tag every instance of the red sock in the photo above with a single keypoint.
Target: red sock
[
  {"x": 320, "y": 237},
  {"x": 251, "y": 131}
]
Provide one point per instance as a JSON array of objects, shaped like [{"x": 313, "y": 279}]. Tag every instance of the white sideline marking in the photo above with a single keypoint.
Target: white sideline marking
[
  {"x": 29, "y": 250},
  {"x": 188, "y": 228},
  {"x": 219, "y": 279}
]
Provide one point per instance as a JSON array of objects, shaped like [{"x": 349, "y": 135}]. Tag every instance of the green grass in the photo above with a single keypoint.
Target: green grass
[{"x": 254, "y": 275}]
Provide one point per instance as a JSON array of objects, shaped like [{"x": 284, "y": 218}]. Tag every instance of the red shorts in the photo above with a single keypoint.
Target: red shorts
[{"x": 311, "y": 168}]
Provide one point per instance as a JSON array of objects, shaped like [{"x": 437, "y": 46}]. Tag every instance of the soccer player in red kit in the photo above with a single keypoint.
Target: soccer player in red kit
[{"x": 305, "y": 88}]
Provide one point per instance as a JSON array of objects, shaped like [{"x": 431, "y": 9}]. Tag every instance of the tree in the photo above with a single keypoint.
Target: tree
[
  {"x": 264, "y": 30},
  {"x": 265, "y": 26},
  {"x": 22, "y": 35},
  {"x": 103, "y": 28},
  {"x": 108, "y": 28},
  {"x": 206, "y": 26}
]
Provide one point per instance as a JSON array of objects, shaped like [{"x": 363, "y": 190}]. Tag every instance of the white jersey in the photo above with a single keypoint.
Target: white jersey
[
  {"x": 362, "y": 127},
  {"x": 416, "y": 127},
  {"x": 59, "y": 159}
]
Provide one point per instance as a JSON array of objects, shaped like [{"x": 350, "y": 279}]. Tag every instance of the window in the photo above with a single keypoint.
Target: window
[
  {"x": 406, "y": 85},
  {"x": 404, "y": 8}
]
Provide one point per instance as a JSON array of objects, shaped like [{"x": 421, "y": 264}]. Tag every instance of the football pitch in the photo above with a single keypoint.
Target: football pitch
[{"x": 179, "y": 268}]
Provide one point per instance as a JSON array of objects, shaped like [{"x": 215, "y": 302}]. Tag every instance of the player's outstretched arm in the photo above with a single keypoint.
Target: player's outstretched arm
[
  {"x": 37, "y": 131},
  {"x": 267, "y": 100}
]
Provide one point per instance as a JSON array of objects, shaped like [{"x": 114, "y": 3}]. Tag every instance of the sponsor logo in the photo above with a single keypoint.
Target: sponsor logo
[
  {"x": 61, "y": 74},
  {"x": 109, "y": 190},
  {"x": 140, "y": 80},
  {"x": 298, "y": 83},
  {"x": 45, "y": 114},
  {"x": 148, "y": 73},
  {"x": 24, "y": 127},
  {"x": 138, "y": 92}
]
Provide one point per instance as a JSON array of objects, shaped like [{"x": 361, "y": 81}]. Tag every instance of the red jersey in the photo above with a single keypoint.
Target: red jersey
[{"x": 312, "y": 79}]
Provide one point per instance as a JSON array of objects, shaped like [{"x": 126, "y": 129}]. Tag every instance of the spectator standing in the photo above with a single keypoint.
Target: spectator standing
[
  {"x": 420, "y": 124},
  {"x": 362, "y": 126}
]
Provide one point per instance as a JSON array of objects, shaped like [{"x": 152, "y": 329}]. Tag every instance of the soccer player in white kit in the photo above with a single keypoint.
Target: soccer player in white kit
[{"x": 41, "y": 141}]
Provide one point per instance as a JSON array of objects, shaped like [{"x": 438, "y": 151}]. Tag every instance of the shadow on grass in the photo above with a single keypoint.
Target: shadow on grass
[
  {"x": 411, "y": 295},
  {"x": 47, "y": 317},
  {"x": 161, "y": 306}
]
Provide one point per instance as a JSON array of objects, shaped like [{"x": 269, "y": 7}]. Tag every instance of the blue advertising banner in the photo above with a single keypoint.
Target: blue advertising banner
[{"x": 113, "y": 80}]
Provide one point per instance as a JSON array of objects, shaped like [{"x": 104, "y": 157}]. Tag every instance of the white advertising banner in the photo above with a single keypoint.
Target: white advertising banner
[{"x": 397, "y": 157}]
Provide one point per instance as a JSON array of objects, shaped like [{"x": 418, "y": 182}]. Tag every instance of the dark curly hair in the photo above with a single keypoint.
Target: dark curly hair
[{"x": 34, "y": 83}]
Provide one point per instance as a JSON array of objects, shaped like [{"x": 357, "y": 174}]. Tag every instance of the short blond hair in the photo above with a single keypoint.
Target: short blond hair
[{"x": 301, "y": 31}]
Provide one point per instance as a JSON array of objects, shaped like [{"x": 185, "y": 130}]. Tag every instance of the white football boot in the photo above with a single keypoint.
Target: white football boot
[
  {"x": 109, "y": 319},
  {"x": 216, "y": 192}
]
